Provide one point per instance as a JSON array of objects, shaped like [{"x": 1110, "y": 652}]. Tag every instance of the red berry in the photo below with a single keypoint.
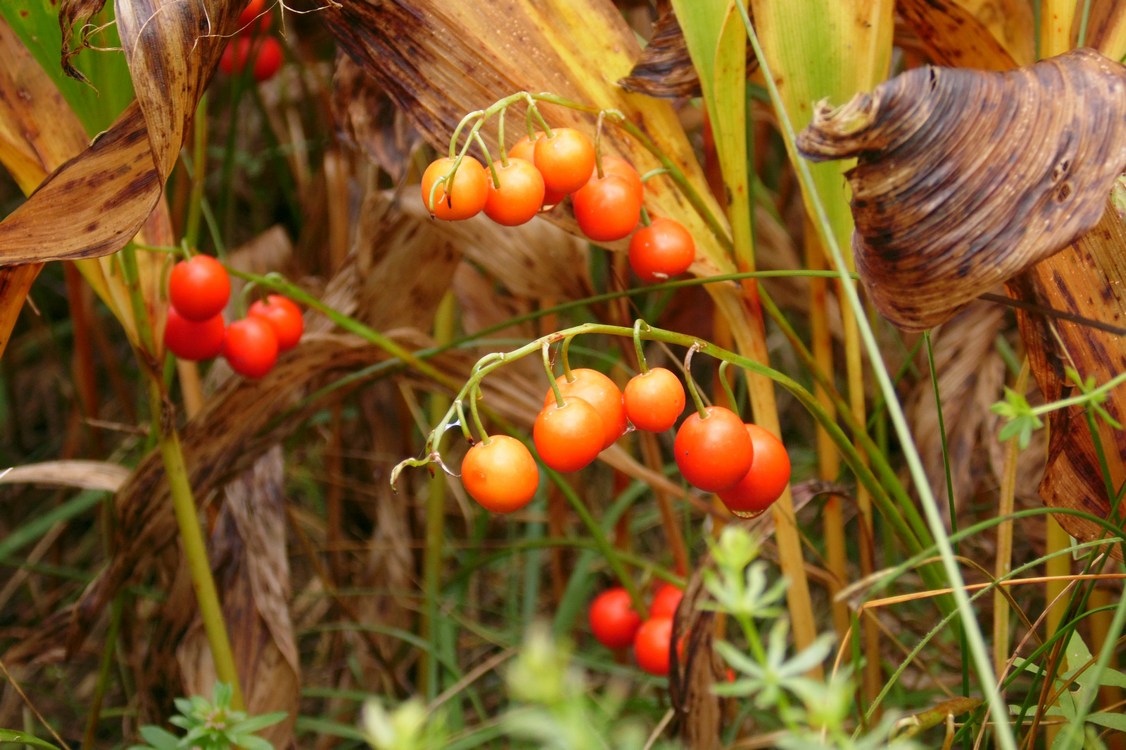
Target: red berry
[
  {"x": 255, "y": 18},
  {"x": 251, "y": 347},
  {"x": 613, "y": 620},
  {"x": 285, "y": 317},
  {"x": 713, "y": 452},
  {"x": 764, "y": 481},
  {"x": 519, "y": 195},
  {"x": 570, "y": 436},
  {"x": 525, "y": 149},
  {"x": 652, "y": 644},
  {"x": 612, "y": 164},
  {"x": 461, "y": 197},
  {"x": 665, "y": 601},
  {"x": 265, "y": 52},
  {"x": 565, "y": 159},
  {"x": 607, "y": 208},
  {"x": 199, "y": 287},
  {"x": 500, "y": 474},
  {"x": 600, "y": 392},
  {"x": 654, "y": 400},
  {"x": 193, "y": 340},
  {"x": 662, "y": 250}
]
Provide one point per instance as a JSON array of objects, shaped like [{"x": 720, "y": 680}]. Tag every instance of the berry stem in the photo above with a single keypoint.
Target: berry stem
[
  {"x": 163, "y": 416},
  {"x": 689, "y": 381},
  {"x": 638, "y": 325},
  {"x": 879, "y": 478},
  {"x": 598, "y": 170},
  {"x": 653, "y": 173},
  {"x": 559, "y": 402},
  {"x": 726, "y": 385},
  {"x": 480, "y": 116},
  {"x": 564, "y": 356},
  {"x": 501, "y": 118},
  {"x": 459, "y": 409},
  {"x": 534, "y": 114},
  {"x": 489, "y": 163},
  {"x": 242, "y": 303},
  {"x": 646, "y": 220},
  {"x": 474, "y": 397}
]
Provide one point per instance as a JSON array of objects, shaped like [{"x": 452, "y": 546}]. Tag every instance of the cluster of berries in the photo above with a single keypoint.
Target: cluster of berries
[
  {"x": 585, "y": 412},
  {"x": 587, "y": 416},
  {"x": 617, "y": 625},
  {"x": 253, "y": 44},
  {"x": 541, "y": 170},
  {"x": 198, "y": 291}
]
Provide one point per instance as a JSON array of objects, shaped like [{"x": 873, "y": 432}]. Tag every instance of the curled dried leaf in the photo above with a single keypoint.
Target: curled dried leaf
[
  {"x": 966, "y": 178},
  {"x": 665, "y": 68}
]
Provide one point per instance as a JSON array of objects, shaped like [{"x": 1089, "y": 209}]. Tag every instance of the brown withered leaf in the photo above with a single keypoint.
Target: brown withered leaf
[
  {"x": 38, "y": 131},
  {"x": 405, "y": 245},
  {"x": 665, "y": 68},
  {"x": 76, "y": 13},
  {"x": 965, "y": 178},
  {"x": 1088, "y": 278},
  {"x": 366, "y": 117},
  {"x": 972, "y": 34},
  {"x": 113, "y": 185},
  {"x": 1012, "y": 22},
  {"x": 1106, "y": 28}
]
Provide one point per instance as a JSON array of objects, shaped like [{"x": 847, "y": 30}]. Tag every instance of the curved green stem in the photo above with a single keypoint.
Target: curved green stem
[
  {"x": 474, "y": 397},
  {"x": 564, "y": 357},
  {"x": 726, "y": 385},
  {"x": 642, "y": 365},
  {"x": 480, "y": 116},
  {"x": 554, "y": 384},
  {"x": 690, "y": 381},
  {"x": 459, "y": 409}
]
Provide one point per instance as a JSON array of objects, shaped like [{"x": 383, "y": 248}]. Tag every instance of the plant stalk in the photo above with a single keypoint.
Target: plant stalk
[{"x": 191, "y": 538}]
